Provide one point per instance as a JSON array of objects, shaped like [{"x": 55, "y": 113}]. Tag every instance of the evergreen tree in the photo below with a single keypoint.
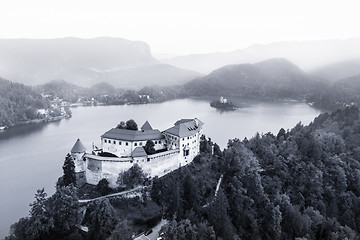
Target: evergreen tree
[
  {"x": 41, "y": 222},
  {"x": 102, "y": 220},
  {"x": 69, "y": 171},
  {"x": 64, "y": 207}
]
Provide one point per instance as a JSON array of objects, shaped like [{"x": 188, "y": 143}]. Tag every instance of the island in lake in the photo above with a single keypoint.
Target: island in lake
[{"x": 223, "y": 104}]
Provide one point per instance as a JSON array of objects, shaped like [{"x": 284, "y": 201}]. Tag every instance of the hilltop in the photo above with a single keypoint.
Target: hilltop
[{"x": 271, "y": 78}]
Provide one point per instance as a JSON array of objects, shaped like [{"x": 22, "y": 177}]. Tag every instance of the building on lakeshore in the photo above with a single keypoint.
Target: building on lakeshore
[{"x": 122, "y": 148}]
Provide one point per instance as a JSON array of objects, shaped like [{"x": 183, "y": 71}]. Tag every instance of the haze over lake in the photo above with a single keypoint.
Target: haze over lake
[{"x": 32, "y": 156}]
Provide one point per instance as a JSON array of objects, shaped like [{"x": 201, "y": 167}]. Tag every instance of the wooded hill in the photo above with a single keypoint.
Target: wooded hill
[
  {"x": 301, "y": 183},
  {"x": 18, "y": 103},
  {"x": 273, "y": 78}
]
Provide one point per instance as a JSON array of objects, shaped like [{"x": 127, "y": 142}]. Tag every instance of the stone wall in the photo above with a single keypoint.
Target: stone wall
[{"x": 159, "y": 164}]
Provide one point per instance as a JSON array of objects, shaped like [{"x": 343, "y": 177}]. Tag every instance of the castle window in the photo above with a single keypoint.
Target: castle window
[
  {"x": 127, "y": 144},
  {"x": 188, "y": 138},
  {"x": 140, "y": 143},
  {"x": 105, "y": 141},
  {"x": 183, "y": 139},
  {"x": 114, "y": 142},
  {"x": 135, "y": 144},
  {"x": 119, "y": 143},
  {"x": 155, "y": 142},
  {"x": 186, "y": 152}
]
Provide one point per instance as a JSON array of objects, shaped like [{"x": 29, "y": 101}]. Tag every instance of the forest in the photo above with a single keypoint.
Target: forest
[
  {"x": 19, "y": 103},
  {"x": 301, "y": 183}
]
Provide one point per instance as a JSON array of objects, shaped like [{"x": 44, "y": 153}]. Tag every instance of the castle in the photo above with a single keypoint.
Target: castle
[{"x": 122, "y": 148}]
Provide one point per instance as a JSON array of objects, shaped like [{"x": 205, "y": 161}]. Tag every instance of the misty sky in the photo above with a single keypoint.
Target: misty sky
[{"x": 186, "y": 26}]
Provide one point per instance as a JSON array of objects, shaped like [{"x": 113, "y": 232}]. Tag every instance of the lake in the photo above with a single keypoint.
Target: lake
[{"x": 31, "y": 156}]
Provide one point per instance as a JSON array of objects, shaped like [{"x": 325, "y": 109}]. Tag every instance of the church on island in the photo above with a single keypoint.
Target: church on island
[{"x": 122, "y": 148}]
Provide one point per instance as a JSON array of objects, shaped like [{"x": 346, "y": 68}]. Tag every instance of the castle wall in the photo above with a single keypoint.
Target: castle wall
[
  {"x": 161, "y": 163},
  {"x": 111, "y": 170},
  {"x": 105, "y": 167}
]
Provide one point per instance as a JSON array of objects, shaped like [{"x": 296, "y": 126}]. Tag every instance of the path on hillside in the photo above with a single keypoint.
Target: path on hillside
[
  {"x": 216, "y": 191},
  {"x": 112, "y": 195}
]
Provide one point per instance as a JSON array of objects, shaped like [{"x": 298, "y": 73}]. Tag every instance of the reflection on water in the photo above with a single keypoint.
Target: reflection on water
[
  {"x": 21, "y": 130},
  {"x": 31, "y": 156}
]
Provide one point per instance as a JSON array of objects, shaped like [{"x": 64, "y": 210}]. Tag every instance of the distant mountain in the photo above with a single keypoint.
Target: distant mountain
[
  {"x": 341, "y": 93},
  {"x": 307, "y": 55},
  {"x": 337, "y": 71},
  {"x": 156, "y": 74},
  {"x": 85, "y": 62},
  {"x": 270, "y": 78},
  {"x": 350, "y": 85}
]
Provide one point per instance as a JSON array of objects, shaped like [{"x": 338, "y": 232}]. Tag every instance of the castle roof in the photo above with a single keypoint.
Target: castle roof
[
  {"x": 131, "y": 135},
  {"x": 138, "y": 152},
  {"x": 146, "y": 126},
  {"x": 185, "y": 127},
  {"x": 78, "y": 147}
]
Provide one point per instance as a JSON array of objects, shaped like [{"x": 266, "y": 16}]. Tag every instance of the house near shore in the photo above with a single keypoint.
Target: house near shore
[{"x": 122, "y": 148}]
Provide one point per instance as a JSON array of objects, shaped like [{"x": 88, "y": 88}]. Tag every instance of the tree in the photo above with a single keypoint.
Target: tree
[
  {"x": 103, "y": 187},
  {"x": 131, "y": 125},
  {"x": 134, "y": 176},
  {"x": 69, "y": 171},
  {"x": 122, "y": 231},
  {"x": 121, "y": 125},
  {"x": 182, "y": 230},
  {"x": 102, "y": 220},
  {"x": 150, "y": 147},
  {"x": 64, "y": 207},
  {"x": 217, "y": 151},
  {"x": 41, "y": 221}
]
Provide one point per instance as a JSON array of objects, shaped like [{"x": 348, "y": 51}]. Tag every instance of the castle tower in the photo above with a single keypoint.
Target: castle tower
[{"x": 77, "y": 153}]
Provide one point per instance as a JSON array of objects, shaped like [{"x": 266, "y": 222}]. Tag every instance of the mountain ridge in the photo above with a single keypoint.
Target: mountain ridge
[
  {"x": 85, "y": 62},
  {"x": 307, "y": 55}
]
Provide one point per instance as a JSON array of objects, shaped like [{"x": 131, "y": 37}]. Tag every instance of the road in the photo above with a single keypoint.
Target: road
[{"x": 155, "y": 232}]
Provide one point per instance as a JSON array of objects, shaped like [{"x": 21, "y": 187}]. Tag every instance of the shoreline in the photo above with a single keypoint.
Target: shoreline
[{"x": 34, "y": 121}]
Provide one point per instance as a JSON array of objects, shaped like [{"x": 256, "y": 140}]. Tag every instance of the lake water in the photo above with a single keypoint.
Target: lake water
[{"x": 31, "y": 156}]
